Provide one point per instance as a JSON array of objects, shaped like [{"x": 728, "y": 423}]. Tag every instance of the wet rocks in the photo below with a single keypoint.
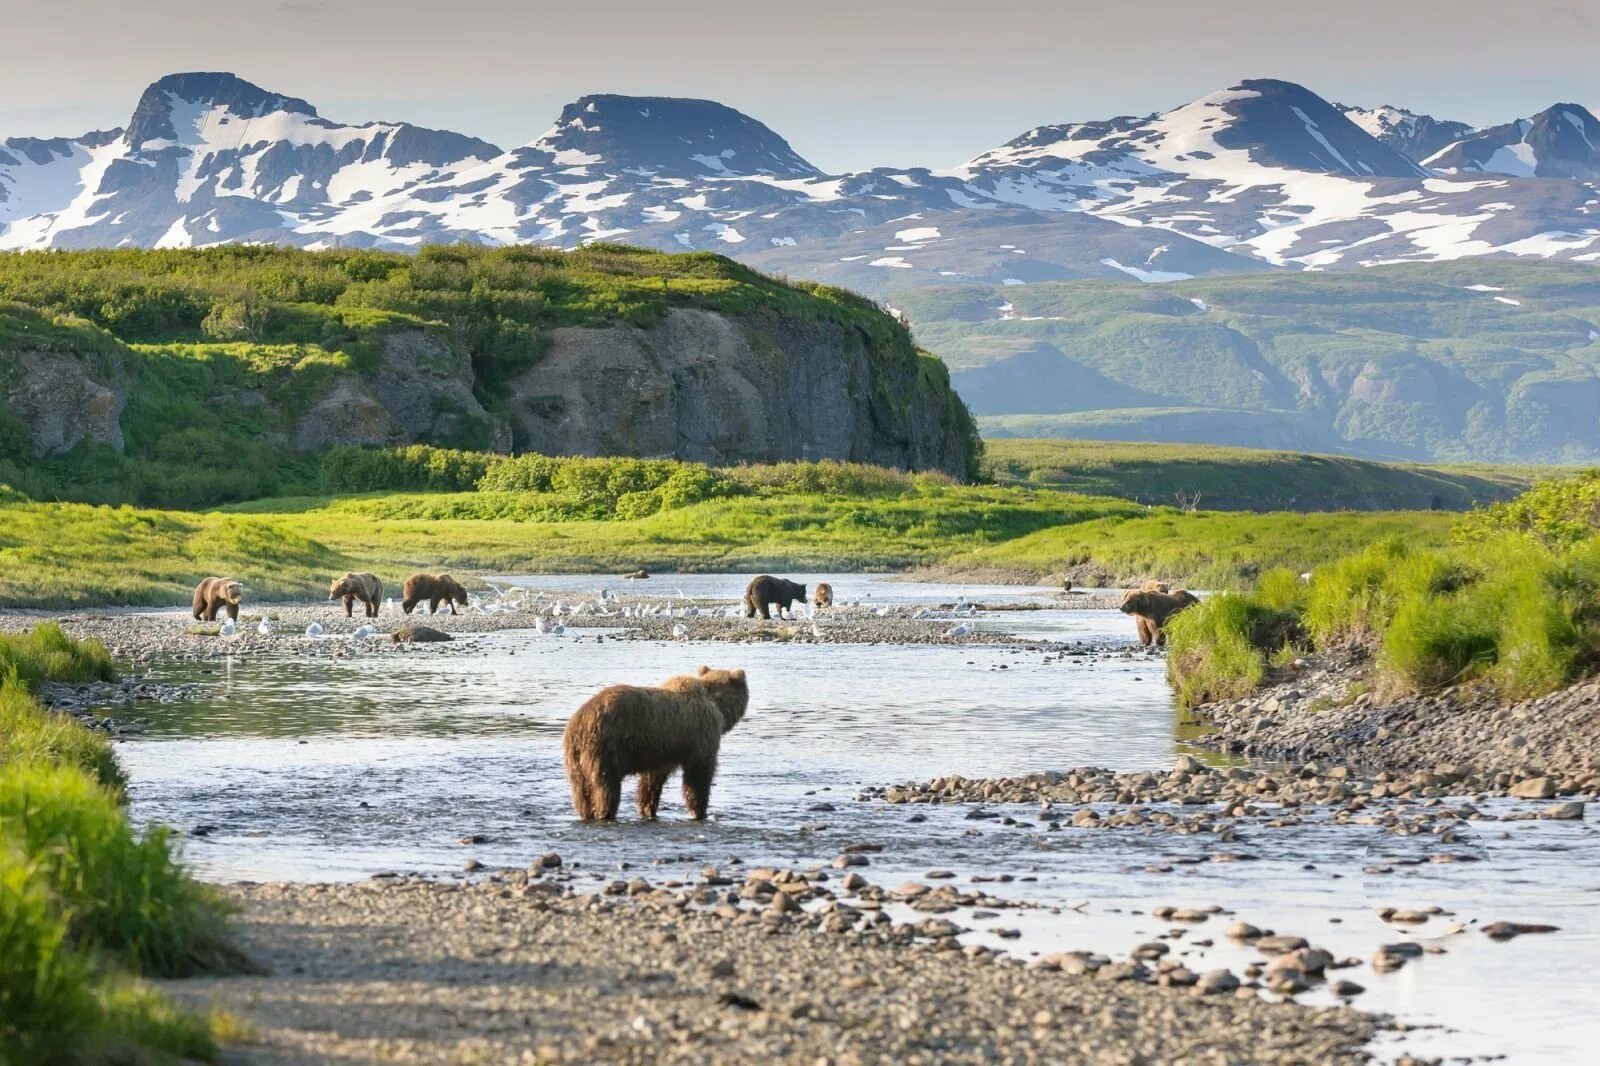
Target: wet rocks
[{"x": 1510, "y": 930}]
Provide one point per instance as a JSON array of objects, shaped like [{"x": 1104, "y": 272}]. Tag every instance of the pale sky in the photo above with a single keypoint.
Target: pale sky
[{"x": 850, "y": 83}]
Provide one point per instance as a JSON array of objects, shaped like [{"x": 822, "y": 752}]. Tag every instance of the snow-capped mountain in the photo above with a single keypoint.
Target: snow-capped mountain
[
  {"x": 209, "y": 158},
  {"x": 1261, "y": 175},
  {"x": 1560, "y": 142},
  {"x": 1413, "y": 135}
]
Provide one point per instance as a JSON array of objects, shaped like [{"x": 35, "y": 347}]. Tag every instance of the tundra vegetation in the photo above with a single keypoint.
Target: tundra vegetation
[
  {"x": 89, "y": 906},
  {"x": 1512, "y": 602},
  {"x": 395, "y": 511}
]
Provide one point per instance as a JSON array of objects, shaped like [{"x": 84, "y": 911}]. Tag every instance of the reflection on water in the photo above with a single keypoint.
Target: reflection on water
[{"x": 341, "y": 768}]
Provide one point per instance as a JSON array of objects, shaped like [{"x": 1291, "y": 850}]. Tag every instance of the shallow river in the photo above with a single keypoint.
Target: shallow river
[{"x": 336, "y": 769}]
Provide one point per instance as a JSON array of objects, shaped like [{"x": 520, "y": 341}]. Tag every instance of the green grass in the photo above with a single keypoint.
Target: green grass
[
  {"x": 1518, "y": 613},
  {"x": 1222, "y": 478},
  {"x": 1202, "y": 549},
  {"x": 87, "y": 903}
]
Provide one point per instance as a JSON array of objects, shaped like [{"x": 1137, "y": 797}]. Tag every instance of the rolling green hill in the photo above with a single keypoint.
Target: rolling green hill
[
  {"x": 1244, "y": 479},
  {"x": 1480, "y": 360}
]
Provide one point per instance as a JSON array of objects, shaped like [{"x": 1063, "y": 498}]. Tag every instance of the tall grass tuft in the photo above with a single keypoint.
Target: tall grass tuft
[
  {"x": 31, "y": 735},
  {"x": 126, "y": 894},
  {"x": 1219, "y": 647},
  {"x": 48, "y": 654}
]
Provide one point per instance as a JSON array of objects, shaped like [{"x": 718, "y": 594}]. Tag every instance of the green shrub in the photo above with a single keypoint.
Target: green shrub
[
  {"x": 525, "y": 473},
  {"x": 126, "y": 894},
  {"x": 1557, "y": 513},
  {"x": 417, "y": 467},
  {"x": 1352, "y": 599},
  {"x": 1218, "y": 648}
]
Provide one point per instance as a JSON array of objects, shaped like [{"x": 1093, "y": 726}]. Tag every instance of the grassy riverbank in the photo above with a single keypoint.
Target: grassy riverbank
[
  {"x": 87, "y": 905},
  {"x": 1513, "y": 603},
  {"x": 797, "y": 517}
]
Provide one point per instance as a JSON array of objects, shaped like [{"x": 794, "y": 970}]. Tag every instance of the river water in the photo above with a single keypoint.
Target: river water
[{"x": 337, "y": 768}]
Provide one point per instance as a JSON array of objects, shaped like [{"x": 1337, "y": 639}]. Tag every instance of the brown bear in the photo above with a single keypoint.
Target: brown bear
[
  {"x": 1151, "y": 608},
  {"x": 630, "y": 729},
  {"x": 767, "y": 590},
  {"x": 352, "y": 587},
  {"x": 215, "y": 594},
  {"x": 822, "y": 596},
  {"x": 410, "y": 634},
  {"x": 436, "y": 589}
]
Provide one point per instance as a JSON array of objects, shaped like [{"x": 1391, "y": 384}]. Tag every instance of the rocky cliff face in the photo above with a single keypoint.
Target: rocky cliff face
[
  {"x": 724, "y": 390},
  {"x": 701, "y": 385}
]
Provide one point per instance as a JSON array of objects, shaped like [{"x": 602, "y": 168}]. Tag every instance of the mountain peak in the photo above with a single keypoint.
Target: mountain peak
[
  {"x": 671, "y": 137},
  {"x": 152, "y": 118},
  {"x": 1282, "y": 123},
  {"x": 1562, "y": 141}
]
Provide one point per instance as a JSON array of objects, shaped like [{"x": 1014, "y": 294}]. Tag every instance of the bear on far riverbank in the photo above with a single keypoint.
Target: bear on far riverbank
[
  {"x": 217, "y": 594},
  {"x": 765, "y": 591},
  {"x": 631, "y": 729},
  {"x": 1151, "y": 610},
  {"x": 435, "y": 589}
]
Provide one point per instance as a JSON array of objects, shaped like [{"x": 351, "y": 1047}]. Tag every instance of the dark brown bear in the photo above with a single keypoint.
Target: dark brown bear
[
  {"x": 1151, "y": 610},
  {"x": 352, "y": 587},
  {"x": 435, "y": 589},
  {"x": 215, "y": 594},
  {"x": 631, "y": 729},
  {"x": 766, "y": 590}
]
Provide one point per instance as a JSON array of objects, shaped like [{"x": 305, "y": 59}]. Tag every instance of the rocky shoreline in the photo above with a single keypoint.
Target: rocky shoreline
[
  {"x": 514, "y": 969},
  {"x": 1323, "y": 709}
]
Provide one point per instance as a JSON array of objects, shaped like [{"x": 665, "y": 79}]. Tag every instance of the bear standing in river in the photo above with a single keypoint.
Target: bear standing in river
[
  {"x": 766, "y": 590},
  {"x": 630, "y": 729},
  {"x": 216, "y": 594},
  {"x": 352, "y": 587},
  {"x": 434, "y": 588},
  {"x": 1151, "y": 609}
]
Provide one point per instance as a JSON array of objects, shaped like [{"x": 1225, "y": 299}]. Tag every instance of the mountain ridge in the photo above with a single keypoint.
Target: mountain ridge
[{"x": 1262, "y": 175}]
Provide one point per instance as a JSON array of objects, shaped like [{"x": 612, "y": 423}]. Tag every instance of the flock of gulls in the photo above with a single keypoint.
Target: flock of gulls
[{"x": 550, "y": 612}]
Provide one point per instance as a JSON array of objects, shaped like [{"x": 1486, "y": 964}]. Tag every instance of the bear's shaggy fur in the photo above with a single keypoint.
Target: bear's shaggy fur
[
  {"x": 1152, "y": 608},
  {"x": 435, "y": 589},
  {"x": 216, "y": 594},
  {"x": 411, "y": 634},
  {"x": 630, "y": 729},
  {"x": 822, "y": 595},
  {"x": 352, "y": 587},
  {"x": 766, "y": 590}
]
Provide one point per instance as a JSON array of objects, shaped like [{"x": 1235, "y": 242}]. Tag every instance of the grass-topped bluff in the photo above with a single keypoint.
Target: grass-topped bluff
[{"x": 188, "y": 378}]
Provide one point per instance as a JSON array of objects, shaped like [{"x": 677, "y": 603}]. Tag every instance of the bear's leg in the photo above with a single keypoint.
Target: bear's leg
[
  {"x": 372, "y": 608},
  {"x": 650, "y": 786},
  {"x": 610, "y": 796},
  {"x": 580, "y": 795},
  {"x": 766, "y": 611},
  {"x": 349, "y": 606},
  {"x": 697, "y": 787},
  {"x": 433, "y": 605},
  {"x": 1146, "y": 634},
  {"x": 233, "y": 611}
]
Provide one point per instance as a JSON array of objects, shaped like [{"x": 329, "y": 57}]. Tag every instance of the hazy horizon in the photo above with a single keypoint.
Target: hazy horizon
[{"x": 854, "y": 86}]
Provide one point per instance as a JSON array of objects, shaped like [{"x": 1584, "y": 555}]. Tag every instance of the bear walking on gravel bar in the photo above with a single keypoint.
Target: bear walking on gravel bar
[
  {"x": 216, "y": 594},
  {"x": 631, "y": 729},
  {"x": 822, "y": 595},
  {"x": 1151, "y": 608},
  {"x": 352, "y": 587},
  {"x": 435, "y": 589},
  {"x": 766, "y": 590}
]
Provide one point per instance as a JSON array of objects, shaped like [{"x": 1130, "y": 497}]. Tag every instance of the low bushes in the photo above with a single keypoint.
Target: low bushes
[{"x": 1511, "y": 612}]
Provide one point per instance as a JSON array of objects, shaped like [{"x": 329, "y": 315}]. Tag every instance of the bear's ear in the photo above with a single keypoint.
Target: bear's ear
[
  {"x": 738, "y": 675},
  {"x": 704, "y": 669}
]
